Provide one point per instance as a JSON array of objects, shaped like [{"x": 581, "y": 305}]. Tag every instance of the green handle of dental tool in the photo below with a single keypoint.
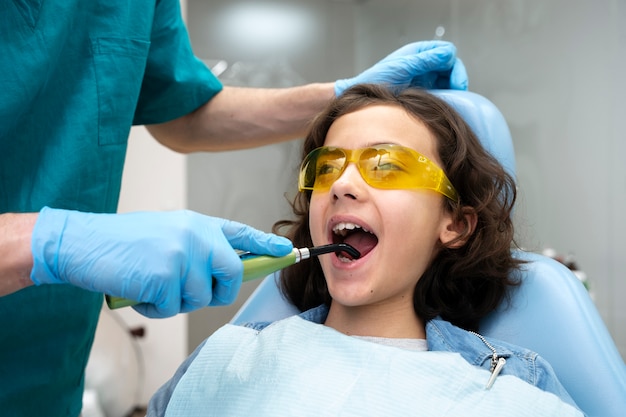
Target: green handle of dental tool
[
  {"x": 254, "y": 267},
  {"x": 261, "y": 266}
]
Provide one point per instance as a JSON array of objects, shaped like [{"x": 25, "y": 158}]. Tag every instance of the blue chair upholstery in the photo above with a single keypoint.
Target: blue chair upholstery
[{"x": 550, "y": 313}]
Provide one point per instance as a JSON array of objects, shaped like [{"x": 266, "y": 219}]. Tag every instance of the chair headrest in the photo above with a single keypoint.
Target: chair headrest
[{"x": 487, "y": 123}]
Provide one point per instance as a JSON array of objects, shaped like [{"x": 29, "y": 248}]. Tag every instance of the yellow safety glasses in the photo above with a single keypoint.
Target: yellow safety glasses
[{"x": 382, "y": 166}]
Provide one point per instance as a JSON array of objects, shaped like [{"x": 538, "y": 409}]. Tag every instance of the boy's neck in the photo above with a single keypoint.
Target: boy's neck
[{"x": 377, "y": 321}]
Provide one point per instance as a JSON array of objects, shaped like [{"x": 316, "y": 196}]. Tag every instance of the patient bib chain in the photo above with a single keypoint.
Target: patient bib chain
[{"x": 497, "y": 363}]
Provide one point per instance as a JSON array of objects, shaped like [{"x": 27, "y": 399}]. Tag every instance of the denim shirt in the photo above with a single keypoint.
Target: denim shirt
[{"x": 441, "y": 336}]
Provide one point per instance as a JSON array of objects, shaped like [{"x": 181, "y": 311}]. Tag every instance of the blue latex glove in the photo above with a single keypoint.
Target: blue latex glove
[
  {"x": 427, "y": 64},
  {"x": 172, "y": 261}
]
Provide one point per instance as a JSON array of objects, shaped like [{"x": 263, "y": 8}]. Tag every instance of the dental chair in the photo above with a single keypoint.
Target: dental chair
[{"x": 550, "y": 313}]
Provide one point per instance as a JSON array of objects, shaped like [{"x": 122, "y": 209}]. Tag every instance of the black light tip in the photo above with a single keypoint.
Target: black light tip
[
  {"x": 350, "y": 250},
  {"x": 336, "y": 248}
]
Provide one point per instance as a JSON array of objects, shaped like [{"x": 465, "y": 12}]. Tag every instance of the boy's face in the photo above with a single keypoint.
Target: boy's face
[{"x": 403, "y": 226}]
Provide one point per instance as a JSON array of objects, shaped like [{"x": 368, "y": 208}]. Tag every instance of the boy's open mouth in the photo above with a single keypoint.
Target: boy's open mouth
[{"x": 356, "y": 236}]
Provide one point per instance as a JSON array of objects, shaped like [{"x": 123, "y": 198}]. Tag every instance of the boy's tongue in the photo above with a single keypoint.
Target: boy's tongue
[{"x": 362, "y": 241}]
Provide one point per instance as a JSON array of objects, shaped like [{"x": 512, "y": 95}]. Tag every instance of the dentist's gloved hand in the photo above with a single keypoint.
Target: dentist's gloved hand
[
  {"x": 171, "y": 261},
  {"x": 427, "y": 64}
]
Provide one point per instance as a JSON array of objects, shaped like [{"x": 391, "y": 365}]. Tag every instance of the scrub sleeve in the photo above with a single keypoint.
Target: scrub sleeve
[{"x": 75, "y": 76}]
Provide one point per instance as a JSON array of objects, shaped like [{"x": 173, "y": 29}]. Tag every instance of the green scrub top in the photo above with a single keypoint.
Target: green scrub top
[{"x": 75, "y": 75}]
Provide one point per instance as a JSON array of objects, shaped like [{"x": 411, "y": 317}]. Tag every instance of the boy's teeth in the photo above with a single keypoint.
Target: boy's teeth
[
  {"x": 343, "y": 227},
  {"x": 343, "y": 258}
]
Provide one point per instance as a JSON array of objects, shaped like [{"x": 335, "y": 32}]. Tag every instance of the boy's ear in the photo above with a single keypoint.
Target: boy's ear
[{"x": 458, "y": 231}]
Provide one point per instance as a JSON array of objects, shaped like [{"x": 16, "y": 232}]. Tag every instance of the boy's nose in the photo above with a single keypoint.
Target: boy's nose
[{"x": 349, "y": 184}]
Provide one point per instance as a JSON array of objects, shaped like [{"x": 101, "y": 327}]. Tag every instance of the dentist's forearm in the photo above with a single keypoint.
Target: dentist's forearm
[
  {"x": 239, "y": 118},
  {"x": 16, "y": 260}
]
